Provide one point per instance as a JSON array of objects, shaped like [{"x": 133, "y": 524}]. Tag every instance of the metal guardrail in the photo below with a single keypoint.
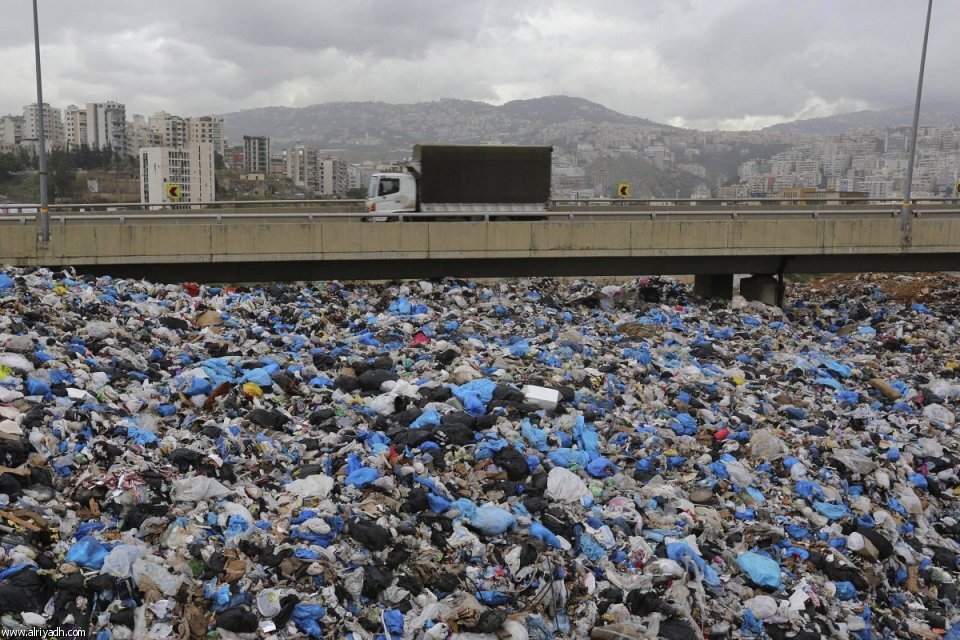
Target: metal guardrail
[
  {"x": 17, "y": 208},
  {"x": 179, "y": 216},
  {"x": 773, "y": 201},
  {"x": 612, "y": 203}
]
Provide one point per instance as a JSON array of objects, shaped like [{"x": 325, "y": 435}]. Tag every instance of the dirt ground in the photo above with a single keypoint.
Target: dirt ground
[{"x": 904, "y": 288}]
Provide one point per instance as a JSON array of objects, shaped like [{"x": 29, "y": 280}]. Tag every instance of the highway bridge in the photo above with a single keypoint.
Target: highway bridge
[{"x": 318, "y": 240}]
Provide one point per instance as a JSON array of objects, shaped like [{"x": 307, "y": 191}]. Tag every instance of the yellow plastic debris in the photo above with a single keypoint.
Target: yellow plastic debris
[{"x": 251, "y": 390}]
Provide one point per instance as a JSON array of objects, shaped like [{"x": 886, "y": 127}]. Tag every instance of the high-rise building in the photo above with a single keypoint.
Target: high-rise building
[
  {"x": 107, "y": 126},
  {"x": 207, "y": 129},
  {"x": 11, "y": 129},
  {"x": 75, "y": 127},
  {"x": 334, "y": 180},
  {"x": 140, "y": 134},
  {"x": 256, "y": 154},
  {"x": 177, "y": 175},
  {"x": 52, "y": 125},
  {"x": 302, "y": 168},
  {"x": 171, "y": 129}
]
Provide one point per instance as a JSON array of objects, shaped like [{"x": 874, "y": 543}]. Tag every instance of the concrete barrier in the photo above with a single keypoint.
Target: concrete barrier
[{"x": 553, "y": 246}]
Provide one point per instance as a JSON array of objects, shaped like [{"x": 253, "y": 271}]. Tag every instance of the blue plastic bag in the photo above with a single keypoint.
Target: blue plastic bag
[
  {"x": 259, "y": 377},
  {"x": 602, "y": 468},
  {"x": 475, "y": 395},
  {"x": 37, "y": 387},
  {"x": 830, "y": 510},
  {"x": 846, "y": 591},
  {"x": 519, "y": 348},
  {"x": 438, "y": 504},
  {"x": 586, "y": 437},
  {"x": 465, "y": 506},
  {"x": 493, "y": 521},
  {"x": 809, "y": 490},
  {"x": 141, "y": 436},
  {"x": 751, "y": 625},
  {"x": 590, "y": 548},
  {"x": 58, "y": 376},
  {"x": 566, "y": 457},
  {"x": 197, "y": 387},
  {"x": 393, "y": 623},
  {"x": 430, "y": 417},
  {"x": 684, "y": 425},
  {"x": 362, "y": 477},
  {"x": 492, "y": 598},
  {"x": 219, "y": 596},
  {"x": 540, "y": 532},
  {"x": 88, "y": 552},
  {"x": 918, "y": 480},
  {"x": 761, "y": 570},
  {"x": 537, "y": 438},
  {"x": 307, "y": 618},
  {"x": 320, "y": 381},
  {"x": 218, "y": 370},
  {"x": 680, "y": 551}
]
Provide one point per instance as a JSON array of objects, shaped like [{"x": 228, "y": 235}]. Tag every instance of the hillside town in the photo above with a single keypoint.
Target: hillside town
[{"x": 166, "y": 158}]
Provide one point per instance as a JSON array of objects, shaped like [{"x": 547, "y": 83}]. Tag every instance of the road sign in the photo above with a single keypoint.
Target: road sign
[
  {"x": 623, "y": 189},
  {"x": 174, "y": 191}
]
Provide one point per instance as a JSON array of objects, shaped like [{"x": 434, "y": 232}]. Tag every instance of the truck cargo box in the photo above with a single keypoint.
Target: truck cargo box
[{"x": 483, "y": 174}]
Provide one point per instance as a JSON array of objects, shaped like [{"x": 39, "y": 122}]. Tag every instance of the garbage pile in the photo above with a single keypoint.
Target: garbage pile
[{"x": 426, "y": 460}]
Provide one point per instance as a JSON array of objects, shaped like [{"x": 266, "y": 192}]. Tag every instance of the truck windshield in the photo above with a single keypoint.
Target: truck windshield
[{"x": 388, "y": 186}]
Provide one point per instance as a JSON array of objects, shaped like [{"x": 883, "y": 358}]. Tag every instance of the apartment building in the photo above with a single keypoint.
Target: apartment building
[
  {"x": 207, "y": 129},
  {"x": 107, "y": 126},
  {"x": 75, "y": 126},
  {"x": 53, "y": 131},
  {"x": 177, "y": 175},
  {"x": 256, "y": 154},
  {"x": 334, "y": 179},
  {"x": 302, "y": 166},
  {"x": 11, "y": 129},
  {"x": 140, "y": 134},
  {"x": 171, "y": 129}
]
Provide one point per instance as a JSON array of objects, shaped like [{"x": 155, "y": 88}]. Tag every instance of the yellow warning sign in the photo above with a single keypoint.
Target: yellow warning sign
[
  {"x": 174, "y": 191},
  {"x": 623, "y": 189}
]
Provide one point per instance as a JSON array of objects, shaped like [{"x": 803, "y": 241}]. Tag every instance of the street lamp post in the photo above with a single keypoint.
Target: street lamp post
[
  {"x": 44, "y": 205},
  {"x": 905, "y": 210}
]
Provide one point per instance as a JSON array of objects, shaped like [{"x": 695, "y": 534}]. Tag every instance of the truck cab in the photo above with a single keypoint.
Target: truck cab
[{"x": 391, "y": 193}]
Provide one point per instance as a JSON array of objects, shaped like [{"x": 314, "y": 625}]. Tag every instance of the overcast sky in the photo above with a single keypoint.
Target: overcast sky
[{"x": 730, "y": 64}]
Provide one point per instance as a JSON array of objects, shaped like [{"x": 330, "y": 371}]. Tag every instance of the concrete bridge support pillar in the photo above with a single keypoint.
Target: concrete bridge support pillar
[
  {"x": 713, "y": 285},
  {"x": 760, "y": 288}
]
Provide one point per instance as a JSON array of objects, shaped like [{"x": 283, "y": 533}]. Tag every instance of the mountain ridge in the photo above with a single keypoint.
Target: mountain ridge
[
  {"x": 930, "y": 115},
  {"x": 557, "y": 120},
  {"x": 451, "y": 120}
]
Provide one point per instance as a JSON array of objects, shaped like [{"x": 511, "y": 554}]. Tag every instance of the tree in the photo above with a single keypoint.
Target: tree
[
  {"x": 61, "y": 175},
  {"x": 357, "y": 193},
  {"x": 9, "y": 163}
]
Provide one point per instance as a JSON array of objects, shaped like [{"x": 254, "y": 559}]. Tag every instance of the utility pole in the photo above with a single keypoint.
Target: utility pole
[
  {"x": 905, "y": 211},
  {"x": 44, "y": 205}
]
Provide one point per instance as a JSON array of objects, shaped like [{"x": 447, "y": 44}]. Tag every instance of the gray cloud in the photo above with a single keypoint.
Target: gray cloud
[{"x": 736, "y": 63}]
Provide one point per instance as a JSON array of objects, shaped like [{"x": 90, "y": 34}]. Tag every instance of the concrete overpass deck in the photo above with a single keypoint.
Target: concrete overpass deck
[{"x": 256, "y": 245}]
